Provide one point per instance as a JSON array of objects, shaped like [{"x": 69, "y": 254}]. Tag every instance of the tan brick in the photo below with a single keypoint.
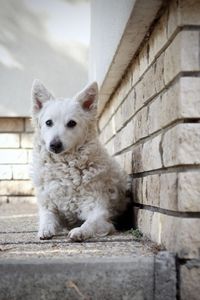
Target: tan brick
[
  {"x": 189, "y": 98},
  {"x": 148, "y": 89},
  {"x": 169, "y": 110},
  {"x": 151, "y": 157},
  {"x": 173, "y": 18},
  {"x": 125, "y": 161},
  {"x": 189, "y": 280},
  {"x": 13, "y": 156},
  {"x": 125, "y": 111},
  {"x": 184, "y": 12},
  {"x": 151, "y": 190},
  {"x": 9, "y": 140},
  {"x": 30, "y": 156},
  {"x": 107, "y": 113},
  {"x": 11, "y": 124},
  {"x": 153, "y": 123},
  {"x": 168, "y": 191},
  {"x": 137, "y": 190},
  {"x": 3, "y": 199},
  {"x": 140, "y": 127},
  {"x": 16, "y": 187},
  {"x": 137, "y": 159},
  {"x": 147, "y": 157},
  {"x": 108, "y": 132},
  {"x": 158, "y": 37},
  {"x": 177, "y": 234},
  {"x": 182, "y": 55},
  {"x": 189, "y": 191},
  {"x": 20, "y": 171},
  {"x": 181, "y": 145},
  {"x": 5, "y": 172},
  {"x": 27, "y": 140},
  {"x": 28, "y": 125},
  {"x": 144, "y": 221},
  {"x": 110, "y": 147},
  {"x": 143, "y": 60},
  {"x": 189, "y": 11},
  {"x": 139, "y": 94},
  {"x": 21, "y": 199},
  {"x": 180, "y": 101},
  {"x": 135, "y": 71},
  {"x": 125, "y": 137}
]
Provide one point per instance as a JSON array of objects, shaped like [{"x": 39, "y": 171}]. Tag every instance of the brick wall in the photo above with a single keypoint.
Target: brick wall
[
  {"x": 151, "y": 126},
  {"x": 15, "y": 155}
]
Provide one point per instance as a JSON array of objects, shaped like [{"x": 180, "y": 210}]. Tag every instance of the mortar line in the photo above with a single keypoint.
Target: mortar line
[
  {"x": 167, "y": 170},
  {"x": 179, "y": 214},
  {"x": 156, "y": 133},
  {"x": 69, "y": 242}
]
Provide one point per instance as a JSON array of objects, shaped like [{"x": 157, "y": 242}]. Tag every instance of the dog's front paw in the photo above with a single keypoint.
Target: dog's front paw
[
  {"x": 46, "y": 233},
  {"x": 77, "y": 234}
]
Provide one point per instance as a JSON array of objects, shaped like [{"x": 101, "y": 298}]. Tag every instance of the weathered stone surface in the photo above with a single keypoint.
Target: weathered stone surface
[
  {"x": 181, "y": 145},
  {"x": 11, "y": 125},
  {"x": 165, "y": 288},
  {"x": 176, "y": 233},
  {"x": 75, "y": 278},
  {"x": 125, "y": 161},
  {"x": 189, "y": 280},
  {"x": 151, "y": 190},
  {"x": 189, "y": 11},
  {"x": 189, "y": 191},
  {"x": 9, "y": 140},
  {"x": 176, "y": 55},
  {"x": 16, "y": 187},
  {"x": 189, "y": 97},
  {"x": 168, "y": 191},
  {"x": 13, "y": 156},
  {"x": 158, "y": 37},
  {"x": 151, "y": 158},
  {"x": 20, "y": 171},
  {"x": 5, "y": 172},
  {"x": 28, "y": 125},
  {"x": 27, "y": 140},
  {"x": 137, "y": 190}
]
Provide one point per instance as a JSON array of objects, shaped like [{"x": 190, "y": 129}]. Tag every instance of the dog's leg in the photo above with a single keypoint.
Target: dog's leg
[
  {"x": 96, "y": 224},
  {"x": 48, "y": 224}
]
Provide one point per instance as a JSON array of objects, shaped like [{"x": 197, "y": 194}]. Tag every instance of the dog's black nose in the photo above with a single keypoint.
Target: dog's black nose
[{"x": 56, "y": 146}]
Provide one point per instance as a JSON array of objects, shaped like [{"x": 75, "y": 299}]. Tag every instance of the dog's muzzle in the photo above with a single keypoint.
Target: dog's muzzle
[{"x": 56, "y": 146}]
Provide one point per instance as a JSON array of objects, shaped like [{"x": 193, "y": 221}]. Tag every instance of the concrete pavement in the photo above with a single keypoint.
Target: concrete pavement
[{"x": 114, "y": 267}]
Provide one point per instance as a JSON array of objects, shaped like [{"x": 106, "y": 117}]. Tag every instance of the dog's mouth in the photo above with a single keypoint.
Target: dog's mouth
[{"x": 56, "y": 151}]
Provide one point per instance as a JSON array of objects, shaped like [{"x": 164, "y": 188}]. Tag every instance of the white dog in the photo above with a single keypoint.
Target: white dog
[{"x": 75, "y": 179}]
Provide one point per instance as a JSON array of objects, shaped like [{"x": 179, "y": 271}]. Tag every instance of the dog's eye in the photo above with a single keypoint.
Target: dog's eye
[
  {"x": 49, "y": 123},
  {"x": 71, "y": 124}
]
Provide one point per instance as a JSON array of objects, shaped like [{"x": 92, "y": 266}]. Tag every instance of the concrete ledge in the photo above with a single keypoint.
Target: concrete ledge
[{"x": 119, "y": 266}]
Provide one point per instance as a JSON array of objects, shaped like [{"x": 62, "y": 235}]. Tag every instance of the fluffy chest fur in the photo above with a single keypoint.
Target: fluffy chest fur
[{"x": 75, "y": 183}]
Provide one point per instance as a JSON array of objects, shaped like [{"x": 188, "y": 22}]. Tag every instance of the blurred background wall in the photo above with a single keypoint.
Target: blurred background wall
[{"x": 45, "y": 39}]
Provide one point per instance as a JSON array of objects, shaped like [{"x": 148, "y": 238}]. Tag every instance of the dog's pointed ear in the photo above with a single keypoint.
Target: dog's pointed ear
[
  {"x": 88, "y": 97},
  {"x": 40, "y": 95}
]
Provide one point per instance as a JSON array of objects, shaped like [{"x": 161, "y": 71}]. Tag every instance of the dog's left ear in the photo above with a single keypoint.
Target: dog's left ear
[
  {"x": 88, "y": 97},
  {"x": 40, "y": 95}
]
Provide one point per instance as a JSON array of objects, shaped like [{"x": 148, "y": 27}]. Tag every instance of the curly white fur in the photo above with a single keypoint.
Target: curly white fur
[{"x": 81, "y": 183}]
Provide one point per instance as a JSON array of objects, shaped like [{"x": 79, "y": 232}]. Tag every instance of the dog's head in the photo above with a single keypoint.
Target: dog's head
[{"x": 64, "y": 124}]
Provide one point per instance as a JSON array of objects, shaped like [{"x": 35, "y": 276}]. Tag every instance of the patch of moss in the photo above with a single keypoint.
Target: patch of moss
[{"x": 136, "y": 233}]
